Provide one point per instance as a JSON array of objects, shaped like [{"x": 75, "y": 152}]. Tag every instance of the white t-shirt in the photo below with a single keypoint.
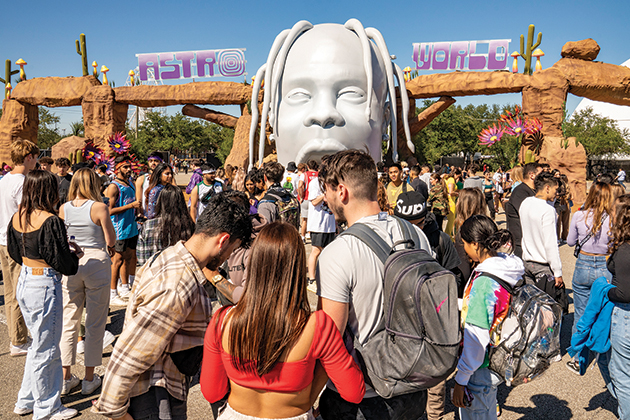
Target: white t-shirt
[
  {"x": 540, "y": 240},
  {"x": 320, "y": 218},
  {"x": 348, "y": 271},
  {"x": 10, "y": 198}
]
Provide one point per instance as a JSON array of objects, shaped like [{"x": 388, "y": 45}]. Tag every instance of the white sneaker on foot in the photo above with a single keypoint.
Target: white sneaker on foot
[
  {"x": 87, "y": 387},
  {"x": 117, "y": 301},
  {"x": 81, "y": 347},
  {"x": 108, "y": 339},
  {"x": 123, "y": 291},
  {"x": 20, "y": 350},
  {"x": 69, "y": 385},
  {"x": 22, "y": 411},
  {"x": 64, "y": 413}
]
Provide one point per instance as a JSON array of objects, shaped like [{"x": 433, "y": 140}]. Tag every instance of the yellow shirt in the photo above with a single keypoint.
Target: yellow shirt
[{"x": 393, "y": 192}]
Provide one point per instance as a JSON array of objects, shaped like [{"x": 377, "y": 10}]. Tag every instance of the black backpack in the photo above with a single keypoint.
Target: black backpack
[{"x": 417, "y": 344}]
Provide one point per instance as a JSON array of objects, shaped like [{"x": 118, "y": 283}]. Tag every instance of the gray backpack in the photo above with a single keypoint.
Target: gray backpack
[{"x": 417, "y": 344}]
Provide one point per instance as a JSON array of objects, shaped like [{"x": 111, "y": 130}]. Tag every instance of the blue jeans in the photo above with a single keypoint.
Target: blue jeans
[
  {"x": 620, "y": 358},
  {"x": 39, "y": 296},
  {"x": 588, "y": 268},
  {"x": 483, "y": 386}
]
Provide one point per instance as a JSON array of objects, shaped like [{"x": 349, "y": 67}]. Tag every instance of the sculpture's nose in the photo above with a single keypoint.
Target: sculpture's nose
[{"x": 324, "y": 113}]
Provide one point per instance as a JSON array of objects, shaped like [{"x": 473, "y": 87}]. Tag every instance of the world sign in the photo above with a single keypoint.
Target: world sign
[
  {"x": 190, "y": 64},
  {"x": 462, "y": 55}
]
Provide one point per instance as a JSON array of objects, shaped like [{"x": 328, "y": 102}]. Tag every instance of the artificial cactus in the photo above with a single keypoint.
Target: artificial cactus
[
  {"x": 527, "y": 54},
  {"x": 7, "y": 75},
  {"x": 79, "y": 156},
  {"x": 82, "y": 51},
  {"x": 71, "y": 158}
]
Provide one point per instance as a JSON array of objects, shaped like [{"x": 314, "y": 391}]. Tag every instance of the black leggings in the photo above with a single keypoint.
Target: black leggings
[{"x": 490, "y": 203}]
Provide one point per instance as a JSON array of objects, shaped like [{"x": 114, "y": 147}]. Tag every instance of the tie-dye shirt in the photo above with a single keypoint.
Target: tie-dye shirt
[{"x": 485, "y": 305}]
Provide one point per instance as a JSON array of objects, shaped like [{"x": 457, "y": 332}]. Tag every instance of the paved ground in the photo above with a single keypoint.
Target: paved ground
[{"x": 558, "y": 394}]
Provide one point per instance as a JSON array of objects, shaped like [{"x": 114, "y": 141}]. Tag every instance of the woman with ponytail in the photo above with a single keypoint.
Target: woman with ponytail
[{"x": 485, "y": 305}]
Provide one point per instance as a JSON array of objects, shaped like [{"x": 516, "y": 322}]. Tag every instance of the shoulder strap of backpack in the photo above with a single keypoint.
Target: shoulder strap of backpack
[
  {"x": 371, "y": 239},
  {"x": 499, "y": 280},
  {"x": 410, "y": 236}
]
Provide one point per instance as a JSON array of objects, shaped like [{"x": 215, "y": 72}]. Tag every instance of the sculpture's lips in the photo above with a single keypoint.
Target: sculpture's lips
[{"x": 319, "y": 147}]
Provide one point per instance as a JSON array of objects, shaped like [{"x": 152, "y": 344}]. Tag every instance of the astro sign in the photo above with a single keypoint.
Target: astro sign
[
  {"x": 462, "y": 55},
  {"x": 189, "y": 64}
]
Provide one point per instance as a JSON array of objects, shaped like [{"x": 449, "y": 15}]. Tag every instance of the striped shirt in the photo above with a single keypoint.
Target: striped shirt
[{"x": 168, "y": 312}]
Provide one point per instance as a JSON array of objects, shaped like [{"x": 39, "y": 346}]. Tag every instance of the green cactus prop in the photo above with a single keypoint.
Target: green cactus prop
[
  {"x": 527, "y": 54},
  {"x": 82, "y": 51},
  {"x": 7, "y": 75},
  {"x": 79, "y": 156},
  {"x": 71, "y": 157}
]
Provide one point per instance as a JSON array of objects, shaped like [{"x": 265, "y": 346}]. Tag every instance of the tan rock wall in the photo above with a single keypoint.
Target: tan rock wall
[
  {"x": 570, "y": 161},
  {"x": 102, "y": 115},
  {"x": 19, "y": 120},
  {"x": 54, "y": 91},
  {"x": 544, "y": 99},
  {"x": 466, "y": 84},
  {"x": 211, "y": 93},
  {"x": 586, "y": 49},
  {"x": 66, "y": 146},
  {"x": 239, "y": 155},
  {"x": 597, "y": 81}
]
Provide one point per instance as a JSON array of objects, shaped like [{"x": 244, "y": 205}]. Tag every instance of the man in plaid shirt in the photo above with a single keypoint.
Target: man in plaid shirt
[{"x": 168, "y": 312}]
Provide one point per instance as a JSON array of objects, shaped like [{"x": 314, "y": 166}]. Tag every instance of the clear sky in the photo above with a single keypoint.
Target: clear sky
[{"x": 43, "y": 32}]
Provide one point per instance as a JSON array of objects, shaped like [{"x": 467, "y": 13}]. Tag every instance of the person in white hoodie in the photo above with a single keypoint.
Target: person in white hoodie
[{"x": 484, "y": 306}]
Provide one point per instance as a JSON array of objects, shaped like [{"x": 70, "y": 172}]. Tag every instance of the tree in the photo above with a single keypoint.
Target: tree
[
  {"x": 77, "y": 128},
  {"x": 453, "y": 131},
  {"x": 600, "y": 136},
  {"x": 47, "y": 134},
  {"x": 178, "y": 133}
]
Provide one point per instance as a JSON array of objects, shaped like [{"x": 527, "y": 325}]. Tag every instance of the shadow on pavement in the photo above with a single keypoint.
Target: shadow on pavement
[
  {"x": 603, "y": 400},
  {"x": 546, "y": 407}
]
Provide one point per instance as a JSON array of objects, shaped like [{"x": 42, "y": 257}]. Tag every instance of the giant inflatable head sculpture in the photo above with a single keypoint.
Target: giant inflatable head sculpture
[{"x": 328, "y": 88}]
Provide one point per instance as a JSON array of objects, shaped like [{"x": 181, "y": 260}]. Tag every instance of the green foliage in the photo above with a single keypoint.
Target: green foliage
[
  {"x": 47, "y": 134},
  {"x": 599, "y": 135},
  {"x": 453, "y": 131},
  {"x": 178, "y": 133},
  {"x": 527, "y": 53},
  {"x": 77, "y": 128}
]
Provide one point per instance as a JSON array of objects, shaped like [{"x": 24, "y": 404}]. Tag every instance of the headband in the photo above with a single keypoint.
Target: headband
[
  {"x": 119, "y": 164},
  {"x": 159, "y": 159}
]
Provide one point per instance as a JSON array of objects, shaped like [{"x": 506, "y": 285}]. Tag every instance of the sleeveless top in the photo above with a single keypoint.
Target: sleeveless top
[
  {"x": 79, "y": 224},
  {"x": 203, "y": 189},
  {"x": 125, "y": 223}
]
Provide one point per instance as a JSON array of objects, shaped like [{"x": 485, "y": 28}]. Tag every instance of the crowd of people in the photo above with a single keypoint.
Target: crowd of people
[{"x": 84, "y": 240}]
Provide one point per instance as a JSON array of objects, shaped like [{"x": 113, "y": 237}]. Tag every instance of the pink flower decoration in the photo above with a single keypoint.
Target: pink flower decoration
[
  {"x": 516, "y": 126},
  {"x": 119, "y": 143},
  {"x": 490, "y": 135}
]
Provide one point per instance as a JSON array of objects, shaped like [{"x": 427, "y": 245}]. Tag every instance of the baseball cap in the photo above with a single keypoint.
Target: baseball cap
[{"x": 411, "y": 206}]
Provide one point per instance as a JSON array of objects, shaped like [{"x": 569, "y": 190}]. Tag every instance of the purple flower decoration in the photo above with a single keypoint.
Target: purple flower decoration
[
  {"x": 516, "y": 126},
  {"x": 104, "y": 160},
  {"x": 119, "y": 143},
  {"x": 490, "y": 135},
  {"x": 91, "y": 151}
]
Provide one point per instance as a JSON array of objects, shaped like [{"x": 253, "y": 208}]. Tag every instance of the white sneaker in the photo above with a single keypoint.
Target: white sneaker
[
  {"x": 117, "y": 301},
  {"x": 22, "y": 411},
  {"x": 64, "y": 413},
  {"x": 69, "y": 385},
  {"x": 123, "y": 292},
  {"x": 20, "y": 350},
  {"x": 81, "y": 347},
  {"x": 108, "y": 339},
  {"x": 87, "y": 387}
]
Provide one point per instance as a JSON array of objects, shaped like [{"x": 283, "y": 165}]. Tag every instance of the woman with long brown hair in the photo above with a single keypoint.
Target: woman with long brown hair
[
  {"x": 619, "y": 266},
  {"x": 471, "y": 201},
  {"x": 162, "y": 175},
  {"x": 264, "y": 350},
  {"x": 37, "y": 240},
  {"x": 590, "y": 231}
]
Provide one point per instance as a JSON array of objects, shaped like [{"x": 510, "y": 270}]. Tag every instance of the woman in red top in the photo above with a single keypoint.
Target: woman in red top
[{"x": 265, "y": 350}]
